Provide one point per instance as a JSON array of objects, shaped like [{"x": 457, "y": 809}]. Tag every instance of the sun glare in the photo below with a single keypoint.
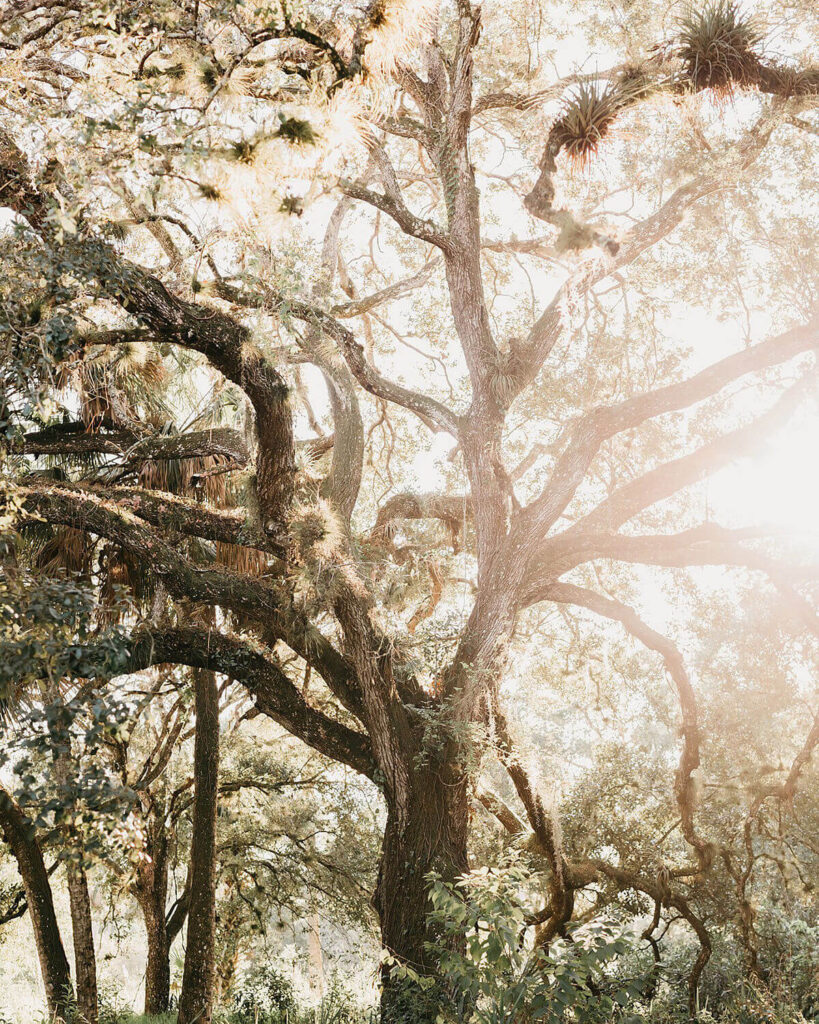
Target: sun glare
[{"x": 779, "y": 486}]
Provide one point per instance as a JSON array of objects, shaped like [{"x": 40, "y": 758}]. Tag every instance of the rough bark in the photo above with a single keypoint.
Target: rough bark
[
  {"x": 85, "y": 960},
  {"x": 18, "y": 832},
  {"x": 220, "y": 442},
  {"x": 198, "y": 979},
  {"x": 151, "y": 891},
  {"x": 82, "y": 929},
  {"x": 428, "y": 834},
  {"x": 157, "y": 963}
]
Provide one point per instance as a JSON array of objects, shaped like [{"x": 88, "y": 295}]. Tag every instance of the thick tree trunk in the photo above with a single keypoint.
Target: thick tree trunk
[
  {"x": 85, "y": 960},
  {"x": 198, "y": 978},
  {"x": 428, "y": 834},
  {"x": 19, "y": 834}
]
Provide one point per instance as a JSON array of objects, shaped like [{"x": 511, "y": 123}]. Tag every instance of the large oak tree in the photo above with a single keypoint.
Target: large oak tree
[{"x": 480, "y": 228}]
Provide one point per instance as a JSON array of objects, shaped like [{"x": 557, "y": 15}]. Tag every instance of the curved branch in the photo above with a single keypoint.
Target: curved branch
[
  {"x": 633, "y": 87},
  {"x": 631, "y": 880},
  {"x": 708, "y": 544},
  {"x": 275, "y": 695},
  {"x": 547, "y": 329},
  {"x": 225, "y": 342},
  {"x": 362, "y": 305},
  {"x": 428, "y": 409},
  {"x": 259, "y": 599},
  {"x": 393, "y": 205},
  {"x": 453, "y": 510}
]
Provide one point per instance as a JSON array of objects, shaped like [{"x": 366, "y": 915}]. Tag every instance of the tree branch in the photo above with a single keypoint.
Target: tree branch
[
  {"x": 220, "y": 442},
  {"x": 225, "y": 342},
  {"x": 275, "y": 695},
  {"x": 428, "y": 409},
  {"x": 673, "y": 476},
  {"x": 604, "y": 422}
]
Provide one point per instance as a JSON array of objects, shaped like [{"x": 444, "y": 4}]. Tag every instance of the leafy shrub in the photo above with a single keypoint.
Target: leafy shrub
[
  {"x": 265, "y": 996},
  {"x": 491, "y": 976}
]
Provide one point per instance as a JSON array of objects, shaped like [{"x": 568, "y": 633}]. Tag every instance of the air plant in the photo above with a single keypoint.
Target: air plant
[
  {"x": 291, "y": 204},
  {"x": 209, "y": 75},
  {"x": 296, "y": 131},
  {"x": 719, "y": 46},
  {"x": 398, "y": 26},
  {"x": 316, "y": 530},
  {"x": 174, "y": 71},
  {"x": 209, "y": 191},
  {"x": 244, "y": 150},
  {"x": 118, "y": 229},
  {"x": 586, "y": 119}
]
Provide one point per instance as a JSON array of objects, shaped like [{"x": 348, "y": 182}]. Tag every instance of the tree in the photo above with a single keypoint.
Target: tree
[
  {"x": 196, "y": 998},
  {"x": 18, "y": 833},
  {"x": 437, "y": 97}
]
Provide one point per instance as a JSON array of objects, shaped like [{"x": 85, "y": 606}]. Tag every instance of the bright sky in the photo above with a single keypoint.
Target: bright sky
[{"x": 780, "y": 485}]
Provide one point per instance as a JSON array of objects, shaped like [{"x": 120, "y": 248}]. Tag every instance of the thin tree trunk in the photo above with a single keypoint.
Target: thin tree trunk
[
  {"x": 85, "y": 960},
  {"x": 151, "y": 891},
  {"x": 430, "y": 834},
  {"x": 158, "y": 962},
  {"x": 198, "y": 978},
  {"x": 19, "y": 834}
]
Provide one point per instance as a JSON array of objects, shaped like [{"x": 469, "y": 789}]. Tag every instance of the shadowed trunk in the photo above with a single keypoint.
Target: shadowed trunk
[
  {"x": 18, "y": 832},
  {"x": 151, "y": 891},
  {"x": 85, "y": 960},
  {"x": 430, "y": 834},
  {"x": 158, "y": 964},
  {"x": 196, "y": 998}
]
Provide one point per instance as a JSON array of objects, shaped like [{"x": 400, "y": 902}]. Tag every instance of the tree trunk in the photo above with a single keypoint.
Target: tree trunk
[
  {"x": 85, "y": 960},
  {"x": 158, "y": 963},
  {"x": 19, "y": 834},
  {"x": 151, "y": 891},
  {"x": 429, "y": 833},
  {"x": 198, "y": 978}
]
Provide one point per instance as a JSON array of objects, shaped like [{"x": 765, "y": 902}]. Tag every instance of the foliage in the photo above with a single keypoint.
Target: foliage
[
  {"x": 462, "y": 540},
  {"x": 492, "y": 975},
  {"x": 45, "y": 625},
  {"x": 264, "y": 995}
]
